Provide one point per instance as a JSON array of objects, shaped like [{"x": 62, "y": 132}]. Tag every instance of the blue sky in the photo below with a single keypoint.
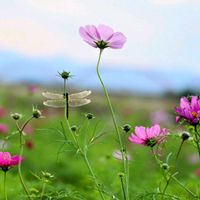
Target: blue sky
[{"x": 40, "y": 37}]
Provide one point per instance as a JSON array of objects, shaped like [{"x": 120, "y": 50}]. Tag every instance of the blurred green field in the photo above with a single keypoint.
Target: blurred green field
[{"x": 71, "y": 179}]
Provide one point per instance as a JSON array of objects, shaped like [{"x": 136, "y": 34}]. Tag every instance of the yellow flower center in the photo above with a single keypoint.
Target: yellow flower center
[{"x": 194, "y": 114}]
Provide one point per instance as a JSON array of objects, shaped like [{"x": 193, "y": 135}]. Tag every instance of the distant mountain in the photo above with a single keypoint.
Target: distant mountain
[{"x": 17, "y": 68}]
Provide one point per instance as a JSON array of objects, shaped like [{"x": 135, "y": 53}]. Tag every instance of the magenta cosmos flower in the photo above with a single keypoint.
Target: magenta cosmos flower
[
  {"x": 7, "y": 161},
  {"x": 102, "y": 36},
  {"x": 148, "y": 136},
  {"x": 189, "y": 110}
]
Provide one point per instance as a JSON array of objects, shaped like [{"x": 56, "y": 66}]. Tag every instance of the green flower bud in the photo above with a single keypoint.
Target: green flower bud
[
  {"x": 185, "y": 136},
  {"x": 165, "y": 166},
  {"x": 65, "y": 75},
  {"x": 74, "y": 128},
  {"x": 36, "y": 113},
  {"x": 121, "y": 174},
  {"x": 47, "y": 175},
  {"x": 89, "y": 115},
  {"x": 16, "y": 116},
  {"x": 126, "y": 128}
]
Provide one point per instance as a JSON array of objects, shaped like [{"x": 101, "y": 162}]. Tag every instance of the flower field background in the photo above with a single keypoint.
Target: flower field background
[
  {"x": 99, "y": 100},
  {"x": 49, "y": 156}
]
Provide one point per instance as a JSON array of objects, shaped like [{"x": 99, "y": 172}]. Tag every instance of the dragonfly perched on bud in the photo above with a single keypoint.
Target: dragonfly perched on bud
[{"x": 69, "y": 100}]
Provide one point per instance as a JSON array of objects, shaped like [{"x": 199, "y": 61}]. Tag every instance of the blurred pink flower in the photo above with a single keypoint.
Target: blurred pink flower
[
  {"x": 32, "y": 89},
  {"x": 193, "y": 158},
  {"x": 7, "y": 161},
  {"x": 189, "y": 110},
  {"x": 118, "y": 155},
  {"x": 3, "y": 112},
  {"x": 102, "y": 36},
  {"x": 160, "y": 117},
  {"x": 3, "y": 128},
  {"x": 148, "y": 136},
  {"x": 29, "y": 129},
  {"x": 197, "y": 172}
]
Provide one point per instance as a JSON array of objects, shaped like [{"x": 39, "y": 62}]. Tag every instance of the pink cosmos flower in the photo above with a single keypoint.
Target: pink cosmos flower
[
  {"x": 3, "y": 128},
  {"x": 7, "y": 161},
  {"x": 189, "y": 110},
  {"x": 149, "y": 136},
  {"x": 102, "y": 36}
]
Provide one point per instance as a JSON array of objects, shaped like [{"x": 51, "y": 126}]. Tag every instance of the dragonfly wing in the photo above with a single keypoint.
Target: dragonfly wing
[
  {"x": 80, "y": 95},
  {"x": 78, "y": 102},
  {"x": 55, "y": 103},
  {"x": 50, "y": 95}
]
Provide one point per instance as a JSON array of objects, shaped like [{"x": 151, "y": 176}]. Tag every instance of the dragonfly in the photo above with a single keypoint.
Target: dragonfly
[{"x": 69, "y": 100}]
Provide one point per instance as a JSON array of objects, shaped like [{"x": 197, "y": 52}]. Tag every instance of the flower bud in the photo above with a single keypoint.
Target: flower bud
[
  {"x": 36, "y": 113},
  {"x": 47, "y": 175},
  {"x": 34, "y": 191},
  {"x": 74, "y": 128},
  {"x": 185, "y": 136},
  {"x": 65, "y": 75},
  {"x": 165, "y": 166},
  {"x": 126, "y": 128},
  {"x": 16, "y": 116},
  {"x": 121, "y": 175},
  {"x": 89, "y": 116}
]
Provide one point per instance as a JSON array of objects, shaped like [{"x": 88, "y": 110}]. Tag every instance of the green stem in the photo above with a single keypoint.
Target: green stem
[
  {"x": 82, "y": 152},
  {"x": 5, "y": 191},
  {"x": 43, "y": 189},
  {"x": 171, "y": 177},
  {"x": 186, "y": 189},
  {"x": 21, "y": 147},
  {"x": 93, "y": 175},
  {"x": 123, "y": 189},
  {"x": 19, "y": 169},
  {"x": 114, "y": 121},
  {"x": 165, "y": 188},
  {"x": 179, "y": 150},
  {"x": 197, "y": 139},
  {"x": 127, "y": 175}
]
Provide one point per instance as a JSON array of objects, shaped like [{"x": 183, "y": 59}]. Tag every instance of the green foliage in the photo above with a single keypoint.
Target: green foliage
[{"x": 54, "y": 153}]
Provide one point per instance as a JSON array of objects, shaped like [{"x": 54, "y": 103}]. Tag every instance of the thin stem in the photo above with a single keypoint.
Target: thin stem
[
  {"x": 186, "y": 189},
  {"x": 171, "y": 177},
  {"x": 165, "y": 188},
  {"x": 82, "y": 152},
  {"x": 93, "y": 175},
  {"x": 179, "y": 150},
  {"x": 5, "y": 191},
  {"x": 197, "y": 139},
  {"x": 43, "y": 189},
  {"x": 19, "y": 169},
  {"x": 85, "y": 159},
  {"x": 127, "y": 175},
  {"x": 123, "y": 189},
  {"x": 114, "y": 120},
  {"x": 21, "y": 146}
]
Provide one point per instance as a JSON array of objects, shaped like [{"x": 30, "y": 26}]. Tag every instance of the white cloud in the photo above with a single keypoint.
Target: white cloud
[
  {"x": 28, "y": 37},
  {"x": 171, "y": 2},
  {"x": 49, "y": 27},
  {"x": 52, "y": 7}
]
